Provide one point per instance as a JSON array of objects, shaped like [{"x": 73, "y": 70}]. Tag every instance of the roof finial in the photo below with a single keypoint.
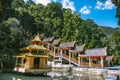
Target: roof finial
[
  {"x": 36, "y": 40},
  {"x": 38, "y": 34}
]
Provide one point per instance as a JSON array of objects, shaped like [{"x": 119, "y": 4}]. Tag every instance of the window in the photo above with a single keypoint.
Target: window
[{"x": 19, "y": 60}]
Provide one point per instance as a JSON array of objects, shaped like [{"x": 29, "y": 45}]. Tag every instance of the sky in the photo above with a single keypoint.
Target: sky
[{"x": 102, "y": 13}]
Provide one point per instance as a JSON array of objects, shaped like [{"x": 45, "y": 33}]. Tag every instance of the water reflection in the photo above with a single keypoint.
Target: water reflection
[{"x": 51, "y": 76}]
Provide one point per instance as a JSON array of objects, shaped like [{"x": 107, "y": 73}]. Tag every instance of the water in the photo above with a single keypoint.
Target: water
[{"x": 52, "y": 76}]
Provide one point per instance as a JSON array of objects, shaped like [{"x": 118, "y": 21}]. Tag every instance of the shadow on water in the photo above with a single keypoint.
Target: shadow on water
[{"x": 51, "y": 76}]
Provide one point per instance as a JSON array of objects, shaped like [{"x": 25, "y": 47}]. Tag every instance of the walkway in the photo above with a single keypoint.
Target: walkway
[{"x": 72, "y": 60}]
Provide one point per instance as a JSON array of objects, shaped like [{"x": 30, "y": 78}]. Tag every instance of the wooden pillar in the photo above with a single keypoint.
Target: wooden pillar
[
  {"x": 52, "y": 48},
  {"x": 30, "y": 51},
  {"x": 51, "y": 64},
  {"x": 61, "y": 55},
  {"x": 22, "y": 62},
  {"x": 46, "y": 64},
  {"x": 16, "y": 64},
  {"x": 43, "y": 52},
  {"x": 43, "y": 45},
  {"x": 48, "y": 46},
  {"x": 65, "y": 51},
  {"x": 72, "y": 55},
  {"x": 89, "y": 61},
  {"x": 37, "y": 51},
  {"x": 79, "y": 59},
  {"x": 108, "y": 63},
  {"x": 102, "y": 65},
  {"x": 54, "y": 55},
  {"x": 69, "y": 58},
  {"x": 54, "y": 52}
]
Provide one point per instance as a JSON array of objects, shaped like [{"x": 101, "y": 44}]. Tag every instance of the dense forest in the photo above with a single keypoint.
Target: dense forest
[{"x": 20, "y": 21}]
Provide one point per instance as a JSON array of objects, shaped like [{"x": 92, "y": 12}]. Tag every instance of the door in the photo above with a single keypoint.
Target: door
[{"x": 36, "y": 62}]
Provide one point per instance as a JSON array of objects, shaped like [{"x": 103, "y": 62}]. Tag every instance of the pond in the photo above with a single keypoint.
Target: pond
[{"x": 50, "y": 76}]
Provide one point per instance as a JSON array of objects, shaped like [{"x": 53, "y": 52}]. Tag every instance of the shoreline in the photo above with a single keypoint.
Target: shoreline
[{"x": 75, "y": 70}]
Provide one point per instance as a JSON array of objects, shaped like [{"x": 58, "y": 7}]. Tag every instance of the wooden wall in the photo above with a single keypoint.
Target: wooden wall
[{"x": 29, "y": 62}]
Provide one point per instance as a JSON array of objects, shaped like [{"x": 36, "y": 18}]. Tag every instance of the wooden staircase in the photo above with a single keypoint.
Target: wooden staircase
[
  {"x": 66, "y": 57},
  {"x": 72, "y": 60}
]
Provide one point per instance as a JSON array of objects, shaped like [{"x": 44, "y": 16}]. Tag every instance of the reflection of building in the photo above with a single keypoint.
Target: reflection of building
[{"x": 35, "y": 60}]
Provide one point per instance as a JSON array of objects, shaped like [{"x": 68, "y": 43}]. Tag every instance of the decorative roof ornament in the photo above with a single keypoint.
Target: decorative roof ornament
[
  {"x": 36, "y": 40},
  {"x": 78, "y": 48},
  {"x": 50, "y": 39},
  {"x": 56, "y": 42}
]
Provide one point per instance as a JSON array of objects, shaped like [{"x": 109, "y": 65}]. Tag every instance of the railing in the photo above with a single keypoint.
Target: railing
[
  {"x": 96, "y": 65},
  {"x": 56, "y": 54},
  {"x": 72, "y": 59},
  {"x": 75, "y": 61}
]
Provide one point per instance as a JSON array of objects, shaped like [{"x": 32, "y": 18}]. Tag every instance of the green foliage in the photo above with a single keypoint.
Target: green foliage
[
  {"x": 108, "y": 30},
  {"x": 21, "y": 20},
  {"x": 6, "y": 10},
  {"x": 11, "y": 39},
  {"x": 116, "y": 39}
]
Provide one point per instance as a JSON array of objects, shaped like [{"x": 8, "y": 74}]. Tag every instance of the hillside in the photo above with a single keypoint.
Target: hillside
[{"x": 109, "y": 30}]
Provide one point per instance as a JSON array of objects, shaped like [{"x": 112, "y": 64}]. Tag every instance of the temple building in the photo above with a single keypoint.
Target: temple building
[
  {"x": 76, "y": 54},
  {"x": 34, "y": 60},
  {"x": 93, "y": 57}
]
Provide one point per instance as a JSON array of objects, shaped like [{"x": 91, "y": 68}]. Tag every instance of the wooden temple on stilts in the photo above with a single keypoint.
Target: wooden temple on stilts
[
  {"x": 35, "y": 60},
  {"x": 76, "y": 55}
]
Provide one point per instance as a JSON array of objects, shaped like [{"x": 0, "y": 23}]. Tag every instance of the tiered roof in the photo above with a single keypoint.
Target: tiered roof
[
  {"x": 50, "y": 39},
  {"x": 78, "y": 48},
  {"x": 96, "y": 52},
  {"x": 55, "y": 42},
  {"x": 31, "y": 55},
  {"x": 66, "y": 45},
  {"x": 34, "y": 47},
  {"x": 36, "y": 40}
]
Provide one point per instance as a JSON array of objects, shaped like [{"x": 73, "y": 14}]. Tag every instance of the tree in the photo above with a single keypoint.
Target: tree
[
  {"x": 116, "y": 39},
  {"x": 117, "y": 4},
  {"x": 12, "y": 37},
  {"x": 5, "y": 9},
  {"x": 68, "y": 28},
  {"x": 54, "y": 13}
]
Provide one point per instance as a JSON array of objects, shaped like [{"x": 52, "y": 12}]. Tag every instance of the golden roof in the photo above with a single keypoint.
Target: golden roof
[
  {"x": 34, "y": 47},
  {"x": 31, "y": 55},
  {"x": 36, "y": 40}
]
